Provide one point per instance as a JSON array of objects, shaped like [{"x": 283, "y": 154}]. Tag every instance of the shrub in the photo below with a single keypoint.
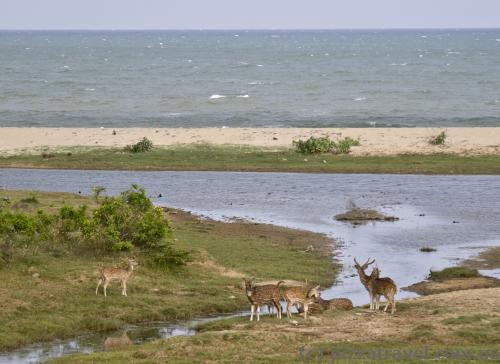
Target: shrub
[
  {"x": 120, "y": 223},
  {"x": 439, "y": 139},
  {"x": 343, "y": 146},
  {"x": 144, "y": 145},
  {"x": 168, "y": 258},
  {"x": 315, "y": 145}
]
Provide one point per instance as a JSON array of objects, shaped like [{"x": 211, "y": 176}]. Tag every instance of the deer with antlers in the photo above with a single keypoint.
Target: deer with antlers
[{"x": 377, "y": 286}]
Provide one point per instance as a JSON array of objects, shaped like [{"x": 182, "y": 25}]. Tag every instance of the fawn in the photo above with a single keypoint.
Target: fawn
[
  {"x": 377, "y": 286},
  {"x": 302, "y": 296},
  {"x": 109, "y": 274},
  {"x": 268, "y": 294}
]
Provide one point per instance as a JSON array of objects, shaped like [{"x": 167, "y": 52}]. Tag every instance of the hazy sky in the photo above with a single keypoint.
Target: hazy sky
[{"x": 247, "y": 14}]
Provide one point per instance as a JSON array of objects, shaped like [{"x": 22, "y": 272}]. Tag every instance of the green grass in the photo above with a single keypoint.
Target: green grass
[
  {"x": 454, "y": 272},
  {"x": 244, "y": 158},
  {"x": 62, "y": 302}
]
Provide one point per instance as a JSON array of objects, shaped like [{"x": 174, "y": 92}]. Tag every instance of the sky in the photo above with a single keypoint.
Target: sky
[{"x": 248, "y": 14}]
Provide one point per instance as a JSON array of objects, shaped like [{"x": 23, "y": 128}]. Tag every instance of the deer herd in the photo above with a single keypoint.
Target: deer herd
[{"x": 305, "y": 297}]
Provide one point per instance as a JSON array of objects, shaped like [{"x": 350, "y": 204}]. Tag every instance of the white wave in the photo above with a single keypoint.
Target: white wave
[
  {"x": 90, "y": 89},
  {"x": 359, "y": 99},
  {"x": 399, "y": 64},
  {"x": 260, "y": 65},
  {"x": 255, "y": 83},
  {"x": 215, "y": 96},
  {"x": 243, "y": 96}
]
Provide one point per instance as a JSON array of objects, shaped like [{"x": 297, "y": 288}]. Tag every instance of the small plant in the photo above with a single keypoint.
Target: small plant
[
  {"x": 427, "y": 249},
  {"x": 47, "y": 155},
  {"x": 439, "y": 139},
  {"x": 144, "y": 145},
  {"x": 32, "y": 199},
  {"x": 314, "y": 145},
  {"x": 343, "y": 146},
  {"x": 318, "y": 145},
  {"x": 98, "y": 190}
]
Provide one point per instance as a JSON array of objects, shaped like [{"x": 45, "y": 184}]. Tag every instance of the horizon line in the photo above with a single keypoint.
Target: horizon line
[{"x": 245, "y": 29}]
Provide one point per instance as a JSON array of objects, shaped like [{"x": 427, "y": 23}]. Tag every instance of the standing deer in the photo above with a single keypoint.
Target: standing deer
[
  {"x": 377, "y": 286},
  {"x": 301, "y": 296},
  {"x": 109, "y": 274},
  {"x": 258, "y": 296}
]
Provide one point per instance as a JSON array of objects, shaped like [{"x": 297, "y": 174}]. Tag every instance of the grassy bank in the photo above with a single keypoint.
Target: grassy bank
[
  {"x": 47, "y": 295},
  {"x": 439, "y": 325},
  {"x": 242, "y": 158}
]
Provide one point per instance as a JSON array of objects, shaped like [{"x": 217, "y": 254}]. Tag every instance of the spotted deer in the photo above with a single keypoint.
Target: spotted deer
[
  {"x": 377, "y": 286},
  {"x": 258, "y": 296},
  {"x": 301, "y": 296},
  {"x": 110, "y": 274},
  {"x": 320, "y": 305},
  {"x": 383, "y": 286}
]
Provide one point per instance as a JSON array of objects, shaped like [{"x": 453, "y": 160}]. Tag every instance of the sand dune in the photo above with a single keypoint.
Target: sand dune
[{"x": 374, "y": 141}]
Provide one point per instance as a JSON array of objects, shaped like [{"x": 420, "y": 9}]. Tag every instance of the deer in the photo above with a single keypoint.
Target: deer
[
  {"x": 320, "y": 305},
  {"x": 377, "y": 286},
  {"x": 301, "y": 296},
  {"x": 258, "y": 296},
  {"x": 110, "y": 274}
]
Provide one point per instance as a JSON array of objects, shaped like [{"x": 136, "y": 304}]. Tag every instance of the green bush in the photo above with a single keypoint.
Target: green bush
[
  {"x": 121, "y": 223},
  {"x": 343, "y": 146},
  {"x": 315, "y": 145},
  {"x": 439, "y": 139},
  {"x": 144, "y": 145},
  {"x": 167, "y": 258}
]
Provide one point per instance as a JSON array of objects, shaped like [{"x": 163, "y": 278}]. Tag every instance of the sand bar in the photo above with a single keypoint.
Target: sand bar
[{"x": 374, "y": 141}]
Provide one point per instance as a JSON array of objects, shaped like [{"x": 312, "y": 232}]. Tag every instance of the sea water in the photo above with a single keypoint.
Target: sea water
[{"x": 347, "y": 78}]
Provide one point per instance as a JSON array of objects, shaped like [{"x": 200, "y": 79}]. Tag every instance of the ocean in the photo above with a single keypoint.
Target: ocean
[{"x": 272, "y": 78}]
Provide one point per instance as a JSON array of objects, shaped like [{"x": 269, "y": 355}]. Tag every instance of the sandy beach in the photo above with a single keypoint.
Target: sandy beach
[{"x": 374, "y": 141}]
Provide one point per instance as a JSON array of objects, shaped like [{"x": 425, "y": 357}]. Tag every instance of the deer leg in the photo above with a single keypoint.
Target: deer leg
[
  {"x": 251, "y": 310},
  {"x": 105, "y": 286},
  {"x": 124, "y": 288},
  {"x": 258, "y": 312},
  {"x": 306, "y": 308},
  {"x": 371, "y": 301},
  {"x": 98, "y": 285},
  {"x": 288, "y": 308},
  {"x": 278, "y": 308},
  {"x": 377, "y": 302}
]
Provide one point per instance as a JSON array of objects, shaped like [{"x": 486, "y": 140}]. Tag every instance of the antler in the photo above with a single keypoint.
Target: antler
[
  {"x": 368, "y": 262},
  {"x": 355, "y": 261}
]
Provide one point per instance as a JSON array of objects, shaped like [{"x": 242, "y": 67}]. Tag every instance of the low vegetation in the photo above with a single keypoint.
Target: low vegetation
[
  {"x": 48, "y": 286},
  {"x": 359, "y": 215},
  {"x": 451, "y": 327},
  {"x": 439, "y": 139},
  {"x": 241, "y": 158},
  {"x": 144, "y": 145},
  {"x": 454, "y": 272},
  {"x": 318, "y": 145},
  {"x": 427, "y": 249}
]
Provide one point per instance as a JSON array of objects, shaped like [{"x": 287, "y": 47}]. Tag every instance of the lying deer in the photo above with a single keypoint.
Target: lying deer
[
  {"x": 301, "y": 296},
  {"x": 377, "y": 286},
  {"x": 258, "y": 296},
  {"x": 321, "y": 305},
  {"x": 110, "y": 274}
]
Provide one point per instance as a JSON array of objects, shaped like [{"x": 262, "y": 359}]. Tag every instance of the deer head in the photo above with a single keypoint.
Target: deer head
[{"x": 361, "y": 268}]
